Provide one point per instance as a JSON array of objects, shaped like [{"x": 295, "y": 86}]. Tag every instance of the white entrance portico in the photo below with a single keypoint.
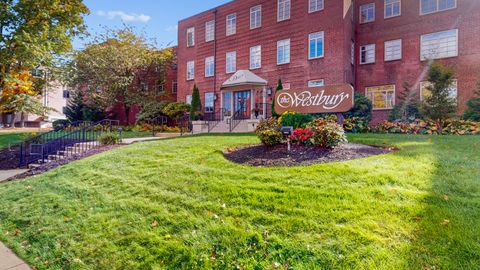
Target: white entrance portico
[{"x": 240, "y": 96}]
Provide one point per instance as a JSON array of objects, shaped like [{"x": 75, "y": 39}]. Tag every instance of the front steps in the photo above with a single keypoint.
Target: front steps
[
  {"x": 77, "y": 148},
  {"x": 224, "y": 126}
]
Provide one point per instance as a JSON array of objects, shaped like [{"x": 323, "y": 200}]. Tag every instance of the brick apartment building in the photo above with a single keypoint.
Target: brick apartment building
[{"x": 235, "y": 53}]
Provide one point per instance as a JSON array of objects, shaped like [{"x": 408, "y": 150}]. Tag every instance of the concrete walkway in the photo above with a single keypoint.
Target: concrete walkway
[
  {"x": 4, "y": 175},
  {"x": 158, "y": 137},
  {"x": 10, "y": 261}
]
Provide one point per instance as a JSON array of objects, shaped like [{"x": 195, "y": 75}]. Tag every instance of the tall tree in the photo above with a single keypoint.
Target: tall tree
[
  {"x": 439, "y": 104},
  {"x": 20, "y": 95},
  {"x": 196, "y": 106},
  {"x": 113, "y": 65},
  {"x": 34, "y": 32},
  {"x": 279, "y": 88}
]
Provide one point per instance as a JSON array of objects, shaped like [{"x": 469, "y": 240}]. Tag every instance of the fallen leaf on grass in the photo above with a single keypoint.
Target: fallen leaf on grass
[
  {"x": 446, "y": 222},
  {"x": 154, "y": 223},
  {"x": 445, "y": 197}
]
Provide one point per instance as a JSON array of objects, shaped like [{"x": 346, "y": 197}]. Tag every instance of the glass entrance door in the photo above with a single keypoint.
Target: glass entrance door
[
  {"x": 242, "y": 104},
  {"x": 227, "y": 104}
]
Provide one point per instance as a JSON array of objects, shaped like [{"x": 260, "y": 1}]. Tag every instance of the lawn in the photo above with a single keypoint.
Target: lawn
[
  {"x": 7, "y": 139},
  {"x": 178, "y": 204}
]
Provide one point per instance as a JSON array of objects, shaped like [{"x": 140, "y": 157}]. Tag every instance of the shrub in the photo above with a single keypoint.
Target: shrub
[
  {"x": 269, "y": 132},
  {"x": 302, "y": 136},
  {"x": 60, "y": 124},
  {"x": 356, "y": 125},
  {"x": 196, "y": 106},
  {"x": 327, "y": 134},
  {"x": 176, "y": 109},
  {"x": 362, "y": 108},
  {"x": 295, "y": 120},
  {"x": 108, "y": 138},
  {"x": 150, "y": 111},
  {"x": 451, "y": 126},
  {"x": 472, "y": 113}
]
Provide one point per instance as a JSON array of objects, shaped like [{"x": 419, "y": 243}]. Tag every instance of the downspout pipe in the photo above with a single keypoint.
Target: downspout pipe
[{"x": 215, "y": 61}]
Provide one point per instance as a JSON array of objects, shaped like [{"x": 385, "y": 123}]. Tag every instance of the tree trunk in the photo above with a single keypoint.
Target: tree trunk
[
  {"x": 22, "y": 120},
  {"x": 127, "y": 114},
  {"x": 12, "y": 121},
  {"x": 439, "y": 126}
]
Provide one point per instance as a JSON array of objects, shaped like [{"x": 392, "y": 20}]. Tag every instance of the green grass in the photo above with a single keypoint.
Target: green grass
[
  {"x": 7, "y": 139},
  {"x": 178, "y": 204}
]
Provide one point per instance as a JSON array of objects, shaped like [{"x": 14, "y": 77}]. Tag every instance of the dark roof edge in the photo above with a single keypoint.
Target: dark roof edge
[{"x": 206, "y": 11}]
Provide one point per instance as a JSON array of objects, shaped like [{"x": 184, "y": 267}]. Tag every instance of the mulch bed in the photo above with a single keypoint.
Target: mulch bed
[
  {"x": 57, "y": 163},
  {"x": 9, "y": 158},
  {"x": 265, "y": 156}
]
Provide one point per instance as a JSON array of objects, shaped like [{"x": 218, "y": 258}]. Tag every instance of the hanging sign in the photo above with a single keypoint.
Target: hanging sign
[{"x": 324, "y": 99}]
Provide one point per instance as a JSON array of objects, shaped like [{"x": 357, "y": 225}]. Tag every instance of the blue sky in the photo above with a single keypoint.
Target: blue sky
[{"x": 157, "y": 18}]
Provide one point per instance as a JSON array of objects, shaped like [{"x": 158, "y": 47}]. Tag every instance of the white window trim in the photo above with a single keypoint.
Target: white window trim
[
  {"x": 374, "y": 10},
  {"x": 374, "y": 54},
  {"x": 207, "y": 60},
  {"x": 385, "y": 50},
  {"x": 234, "y": 62},
  {"x": 313, "y": 11},
  {"x": 250, "y": 64},
  {"x": 192, "y": 29},
  {"x": 323, "y": 46},
  {"x": 234, "y": 26},
  {"x": 289, "y": 13},
  {"x": 422, "y": 58},
  {"x": 289, "y": 51},
  {"x": 260, "y": 23},
  {"x": 385, "y": 10},
  {"x": 193, "y": 73},
  {"x": 427, "y": 82},
  {"x": 431, "y": 12},
  {"x": 309, "y": 82},
  {"x": 206, "y": 31},
  {"x": 393, "y": 101}
]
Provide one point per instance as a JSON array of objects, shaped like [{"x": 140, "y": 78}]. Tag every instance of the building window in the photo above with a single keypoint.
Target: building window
[
  {"x": 431, "y": 6},
  {"x": 231, "y": 66},
  {"x": 393, "y": 8},
  {"x": 160, "y": 87},
  {"x": 190, "y": 36},
  {"x": 209, "y": 66},
  {"x": 209, "y": 31},
  {"x": 190, "y": 70},
  {"x": 352, "y": 53},
  {"x": 255, "y": 57},
  {"x": 393, "y": 50},
  {"x": 367, "y": 54},
  {"x": 283, "y": 10},
  {"x": 315, "y": 5},
  {"x": 283, "y": 52},
  {"x": 36, "y": 72},
  {"x": 209, "y": 100},
  {"x": 231, "y": 24},
  {"x": 144, "y": 86},
  {"x": 66, "y": 94},
  {"x": 382, "y": 97},
  {"x": 367, "y": 13},
  {"x": 315, "y": 45},
  {"x": 316, "y": 83},
  {"x": 452, "y": 90},
  {"x": 174, "y": 87},
  {"x": 255, "y": 17},
  {"x": 188, "y": 99},
  {"x": 439, "y": 45}
]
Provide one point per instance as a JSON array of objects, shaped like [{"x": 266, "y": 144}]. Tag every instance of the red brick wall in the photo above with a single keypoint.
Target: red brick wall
[
  {"x": 409, "y": 27},
  {"x": 332, "y": 67},
  {"x": 335, "y": 66}
]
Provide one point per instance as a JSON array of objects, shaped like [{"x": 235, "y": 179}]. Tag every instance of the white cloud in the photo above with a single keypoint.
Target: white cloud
[{"x": 124, "y": 16}]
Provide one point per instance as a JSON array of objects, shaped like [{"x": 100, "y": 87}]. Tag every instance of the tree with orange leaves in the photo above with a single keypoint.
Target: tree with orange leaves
[{"x": 19, "y": 95}]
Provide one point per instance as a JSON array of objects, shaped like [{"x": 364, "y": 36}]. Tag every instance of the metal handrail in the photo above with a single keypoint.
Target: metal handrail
[
  {"x": 216, "y": 119},
  {"x": 86, "y": 136},
  {"x": 237, "y": 118},
  {"x": 157, "y": 121}
]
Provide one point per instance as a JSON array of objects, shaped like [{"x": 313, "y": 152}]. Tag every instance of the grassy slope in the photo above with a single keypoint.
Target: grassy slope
[
  {"x": 177, "y": 204},
  {"x": 10, "y": 139}
]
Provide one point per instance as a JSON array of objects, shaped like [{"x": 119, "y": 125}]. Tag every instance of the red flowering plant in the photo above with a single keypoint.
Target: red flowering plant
[{"x": 302, "y": 136}]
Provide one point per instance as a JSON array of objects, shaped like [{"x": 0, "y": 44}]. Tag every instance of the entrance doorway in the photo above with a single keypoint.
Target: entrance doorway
[{"x": 242, "y": 104}]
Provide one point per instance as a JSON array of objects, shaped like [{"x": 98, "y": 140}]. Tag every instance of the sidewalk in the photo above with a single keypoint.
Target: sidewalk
[
  {"x": 4, "y": 175},
  {"x": 10, "y": 261}
]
